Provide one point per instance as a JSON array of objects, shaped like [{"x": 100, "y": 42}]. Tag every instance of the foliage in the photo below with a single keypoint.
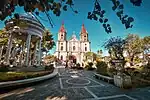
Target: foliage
[
  {"x": 133, "y": 46},
  {"x": 146, "y": 71},
  {"x": 49, "y": 58},
  {"x": 89, "y": 66},
  {"x": 99, "y": 52},
  {"x": 146, "y": 43},
  {"x": 90, "y": 56},
  {"x": 115, "y": 45},
  {"x": 78, "y": 66},
  {"x": 4, "y": 68},
  {"x": 8, "y": 7},
  {"x": 98, "y": 14},
  {"x": 48, "y": 41},
  {"x": 137, "y": 60},
  {"x": 3, "y": 37},
  {"x": 146, "y": 47},
  {"x": 102, "y": 68},
  {"x": 130, "y": 71},
  {"x": 111, "y": 71}
]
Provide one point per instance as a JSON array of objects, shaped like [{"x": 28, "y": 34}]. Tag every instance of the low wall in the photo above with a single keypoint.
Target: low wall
[{"x": 26, "y": 81}]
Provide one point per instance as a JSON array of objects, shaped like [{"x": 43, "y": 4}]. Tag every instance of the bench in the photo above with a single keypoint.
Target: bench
[{"x": 106, "y": 78}]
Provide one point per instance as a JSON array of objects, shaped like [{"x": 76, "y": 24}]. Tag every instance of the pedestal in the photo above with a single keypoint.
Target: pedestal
[{"x": 123, "y": 81}]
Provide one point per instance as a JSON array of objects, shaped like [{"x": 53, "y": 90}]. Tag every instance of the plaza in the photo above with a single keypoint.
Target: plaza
[
  {"x": 44, "y": 59},
  {"x": 75, "y": 85}
]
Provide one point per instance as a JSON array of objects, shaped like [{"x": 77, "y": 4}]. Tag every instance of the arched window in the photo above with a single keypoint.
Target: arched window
[
  {"x": 61, "y": 57},
  {"x": 74, "y": 48},
  {"x": 61, "y": 48},
  {"x": 61, "y": 36},
  {"x": 85, "y": 48}
]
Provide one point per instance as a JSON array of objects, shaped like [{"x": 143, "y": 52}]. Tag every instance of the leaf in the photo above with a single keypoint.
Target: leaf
[
  {"x": 101, "y": 20},
  {"x": 65, "y": 8},
  {"x": 76, "y": 11},
  {"x": 130, "y": 19},
  {"x": 105, "y": 20},
  {"x": 121, "y": 6}
]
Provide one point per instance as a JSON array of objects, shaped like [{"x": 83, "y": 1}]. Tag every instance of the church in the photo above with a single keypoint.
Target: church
[{"x": 73, "y": 47}]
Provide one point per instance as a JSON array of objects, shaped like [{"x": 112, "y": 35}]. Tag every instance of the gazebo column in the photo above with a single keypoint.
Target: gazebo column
[
  {"x": 1, "y": 52},
  {"x": 35, "y": 54},
  {"x": 39, "y": 55},
  {"x": 21, "y": 54},
  {"x": 8, "y": 48},
  {"x": 28, "y": 49}
]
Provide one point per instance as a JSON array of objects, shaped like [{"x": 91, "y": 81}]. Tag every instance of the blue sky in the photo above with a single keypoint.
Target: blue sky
[{"x": 97, "y": 35}]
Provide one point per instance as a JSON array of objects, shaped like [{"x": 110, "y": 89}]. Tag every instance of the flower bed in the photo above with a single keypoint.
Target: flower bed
[{"x": 13, "y": 76}]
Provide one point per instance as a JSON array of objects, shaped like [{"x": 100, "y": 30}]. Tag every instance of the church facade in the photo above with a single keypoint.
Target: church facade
[{"x": 73, "y": 47}]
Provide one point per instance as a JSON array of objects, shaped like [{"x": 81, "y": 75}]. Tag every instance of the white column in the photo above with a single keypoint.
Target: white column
[
  {"x": 35, "y": 53},
  {"x": 1, "y": 52},
  {"x": 28, "y": 49},
  {"x": 9, "y": 46},
  {"x": 39, "y": 56},
  {"x": 21, "y": 59}
]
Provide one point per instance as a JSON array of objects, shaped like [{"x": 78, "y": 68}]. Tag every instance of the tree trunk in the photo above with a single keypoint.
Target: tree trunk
[{"x": 131, "y": 60}]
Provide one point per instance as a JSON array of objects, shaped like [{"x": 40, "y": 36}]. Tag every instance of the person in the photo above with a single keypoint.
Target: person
[{"x": 66, "y": 64}]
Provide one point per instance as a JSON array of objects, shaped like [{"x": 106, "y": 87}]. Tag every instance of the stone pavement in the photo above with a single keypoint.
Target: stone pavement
[{"x": 75, "y": 85}]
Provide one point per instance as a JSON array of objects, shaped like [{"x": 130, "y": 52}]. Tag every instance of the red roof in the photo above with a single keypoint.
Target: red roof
[
  {"x": 62, "y": 28},
  {"x": 83, "y": 30}
]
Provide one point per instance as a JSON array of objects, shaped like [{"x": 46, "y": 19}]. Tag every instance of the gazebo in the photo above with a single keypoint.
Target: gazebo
[{"x": 30, "y": 35}]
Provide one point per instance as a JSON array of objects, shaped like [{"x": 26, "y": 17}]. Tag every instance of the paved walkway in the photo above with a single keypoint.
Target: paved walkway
[{"x": 75, "y": 85}]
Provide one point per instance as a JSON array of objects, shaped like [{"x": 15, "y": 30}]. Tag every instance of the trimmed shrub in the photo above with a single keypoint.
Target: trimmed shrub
[
  {"x": 49, "y": 67},
  {"x": 130, "y": 71},
  {"x": 146, "y": 71},
  {"x": 101, "y": 68},
  {"x": 111, "y": 71},
  {"x": 89, "y": 66},
  {"x": 78, "y": 66},
  {"x": 4, "y": 68}
]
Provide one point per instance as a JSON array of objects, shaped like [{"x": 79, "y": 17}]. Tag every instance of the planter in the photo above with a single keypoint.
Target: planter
[
  {"x": 27, "y": 81},
  {"x": 123, "y": 81}
]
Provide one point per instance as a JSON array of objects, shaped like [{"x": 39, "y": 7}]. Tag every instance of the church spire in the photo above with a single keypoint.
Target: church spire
[
  {"x": 62, "y": 28},
  {"x": 83, "y": 30},
  {"x": 62, "y": 33},
  {"x": 83, "y": 34}
]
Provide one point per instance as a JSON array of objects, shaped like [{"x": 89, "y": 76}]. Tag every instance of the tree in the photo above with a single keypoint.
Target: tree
[
  {"x": 90, "y": 56},
  {"x": 115, "y": 46},
  {"x": 49, "y": 58},
  {"x": 99, "y": 52},
  {"x": 133, "y": 46},
  {"x": 48, "y": 41},
  {"x": 3, "y": 37},
  {"x": 7, "y": 7},
  {"x": 146, "y": 47}
]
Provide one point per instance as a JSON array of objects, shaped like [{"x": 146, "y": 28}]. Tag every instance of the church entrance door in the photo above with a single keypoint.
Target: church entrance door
[{"x": 72, "y": 60}]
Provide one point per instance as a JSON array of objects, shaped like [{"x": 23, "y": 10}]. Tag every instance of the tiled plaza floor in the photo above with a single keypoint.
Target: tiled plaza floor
[{"x": 75, "y": 85}]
